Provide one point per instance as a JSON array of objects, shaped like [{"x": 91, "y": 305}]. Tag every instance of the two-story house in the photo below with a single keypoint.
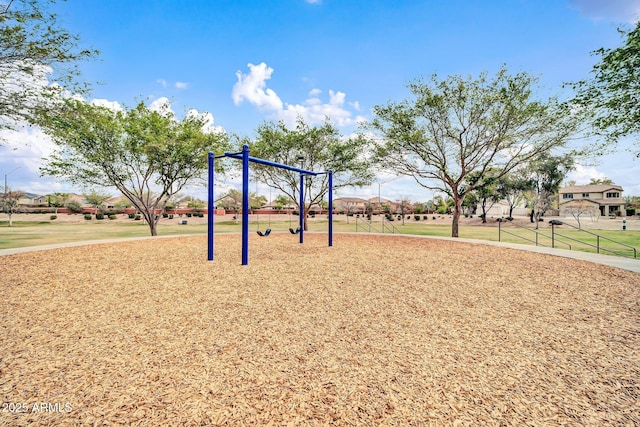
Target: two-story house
[{"x": 607, "y": 198}]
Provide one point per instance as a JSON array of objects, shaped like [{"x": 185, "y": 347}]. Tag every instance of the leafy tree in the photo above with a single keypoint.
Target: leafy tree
[
  {"x": 256, "y": 201},
  {"x": 58, "y": 200},
  {"x": 513, "y": 187},
  {"x": 231, "y": 201},
  {"x": 319, "y": 148},
  {"x": 546, "y": 175},
  {"x": 282, "y": 201},
  {"x": 612, "y": 94},
  {"x": 487, "y": 190},
  {"x": 598, "y": 181},
  {"x": 457, "y": 126},
  {"x": 96, "y": 200},
  {"x": 10, "y": 207},
  {"x": 34, "y": 51},
  {"x": 146, "y": 155}
]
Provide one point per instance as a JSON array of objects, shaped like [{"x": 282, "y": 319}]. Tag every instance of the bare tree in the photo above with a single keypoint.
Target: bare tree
[
  {"x": 11, "y": 199},
  {"x": 579, "y": 208}
]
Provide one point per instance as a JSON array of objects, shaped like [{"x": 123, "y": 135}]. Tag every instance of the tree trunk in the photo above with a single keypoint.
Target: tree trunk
[
  {"x": 153, "y": 228},
  {"x": 457, "y": 209},
  {"x": 10, "y": 214},
  {"x": 484, "y": 211},
  {"x": 149, "y": 216},
  {"x": 305, "y": 222}
]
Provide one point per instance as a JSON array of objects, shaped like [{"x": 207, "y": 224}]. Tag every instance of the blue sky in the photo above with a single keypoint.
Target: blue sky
[{"x": 249, "y": 61}]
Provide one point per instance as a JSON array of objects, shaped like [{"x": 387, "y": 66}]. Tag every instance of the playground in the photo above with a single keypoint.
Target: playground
[{"x": 375, "y": 330}]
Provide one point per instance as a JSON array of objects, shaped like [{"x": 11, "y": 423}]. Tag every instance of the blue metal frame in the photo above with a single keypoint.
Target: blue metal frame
[{"x": 244, "y": 156}]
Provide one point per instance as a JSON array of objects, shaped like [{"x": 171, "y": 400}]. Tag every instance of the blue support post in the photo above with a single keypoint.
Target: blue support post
[
  {"x": 210, "y": 210},
  {"x": 245, "y": 205},
  {"x": 302, "y": 213},
  {"x": 330, "y": 208}
]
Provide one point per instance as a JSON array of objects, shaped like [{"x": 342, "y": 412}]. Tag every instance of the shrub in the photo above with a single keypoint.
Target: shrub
[
  {"x": 131, "y": 215},
  {"x": 165, "y": 215},
  {"x": 137, "y": 217},
  {"x": 416, "y": 217},
  {"x": 425, "y": 217},
  {"x": 189, "y": 214},
  {"x": 52, "y": 217},
  {"x": 87, "y": 216},
  {"x": 170, "y": 216},
  {"x": 112, "y": 216},
  {"x": 74, "y": 206},
  {"x": 434, "y": 217},
  {"x": 100, "y": 215}
]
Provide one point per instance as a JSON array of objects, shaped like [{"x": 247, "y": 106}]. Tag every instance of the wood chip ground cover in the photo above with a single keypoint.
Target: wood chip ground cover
[{"x": 373, "y": 331}]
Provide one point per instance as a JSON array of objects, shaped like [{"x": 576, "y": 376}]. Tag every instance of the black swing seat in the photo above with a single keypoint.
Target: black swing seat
[
  {"x": 296, "y": 231},
  {"x": 265, "y": 234}
]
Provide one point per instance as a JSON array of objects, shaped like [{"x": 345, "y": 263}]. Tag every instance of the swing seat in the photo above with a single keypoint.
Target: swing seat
[
  {"x": 265, "y": 234},
  {"x": 296, "y": 231}
]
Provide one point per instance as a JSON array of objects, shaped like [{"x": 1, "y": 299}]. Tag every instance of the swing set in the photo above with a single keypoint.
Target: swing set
[{"x": 246, "y": 159}]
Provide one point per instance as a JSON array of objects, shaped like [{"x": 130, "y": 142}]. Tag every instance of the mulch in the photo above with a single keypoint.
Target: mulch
[{"x": 372, "y": 331}]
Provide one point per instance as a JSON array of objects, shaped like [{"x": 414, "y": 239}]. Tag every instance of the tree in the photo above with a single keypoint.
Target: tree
[
  {"x": 546, "y": 174},
  {"x": 231, "y": 201},
  {"x": 96, "y": 200},
  {"x": 579, "y": 208},
  {"x": 513, "y": 187},
  {"x": 454, "y": 127},
  {"x": 10, "y": 207},
  {"x": 598, "y": 181},
  {"x": 319, "y": 148},
  {"x": 146, "y": 155},
  {"x": 58, "y": 200},
  {"x": 487, "y": 190},
  {"x": 612, "y": 94},
  {"x": 282, "y": 201},
  {"x": 34, "y": 52}
]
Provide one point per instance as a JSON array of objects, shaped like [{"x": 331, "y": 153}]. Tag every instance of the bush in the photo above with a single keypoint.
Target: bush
[
  {"x": 74, "y": 206},
  {"x": 100, "y": 215},
  {"x": 137, "y": 217},
  {"x": 87, "y": 216},
  {"x": 112, "y": 216},
  {"x": 131, "y": 215},
  {"x": 425, "y": 217},
  {"x": 52, "y": 217},
  {"x": 165, "y": 215},
  {"x": 189, "y": 214},
  {"x": 416, "y": 217},
  {"x": 170, "y": 216}
]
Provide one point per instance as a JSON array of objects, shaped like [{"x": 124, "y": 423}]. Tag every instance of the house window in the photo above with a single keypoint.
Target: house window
[
  {"x": 567, "y": 196},
  {"x": 613, "y": 195},
  {"x": 585, "y": 194}
]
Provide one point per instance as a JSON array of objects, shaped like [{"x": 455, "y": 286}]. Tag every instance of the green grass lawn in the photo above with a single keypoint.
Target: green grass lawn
[{"x": 36, "y": 233}]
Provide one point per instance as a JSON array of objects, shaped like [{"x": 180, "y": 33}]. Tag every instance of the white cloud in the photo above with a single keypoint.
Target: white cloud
[
  {"x": 162, "y": 82},
  {"x": 161, "y": 104},
  {"x": 314, "y": 1},
  {"x": 112, "y": 105},
  {"x": 606, "y": 10},
  {"x": 582, "y": 175},
  {"x": 208, "y": 126},
  {"x": 252, "y": 87},
  {"x": 182, "y": 85}
]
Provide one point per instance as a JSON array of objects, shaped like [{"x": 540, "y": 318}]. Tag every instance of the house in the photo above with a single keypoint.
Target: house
[
  {"x": 605, "y": 198},
  {"x": 349, "y": 204}
]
